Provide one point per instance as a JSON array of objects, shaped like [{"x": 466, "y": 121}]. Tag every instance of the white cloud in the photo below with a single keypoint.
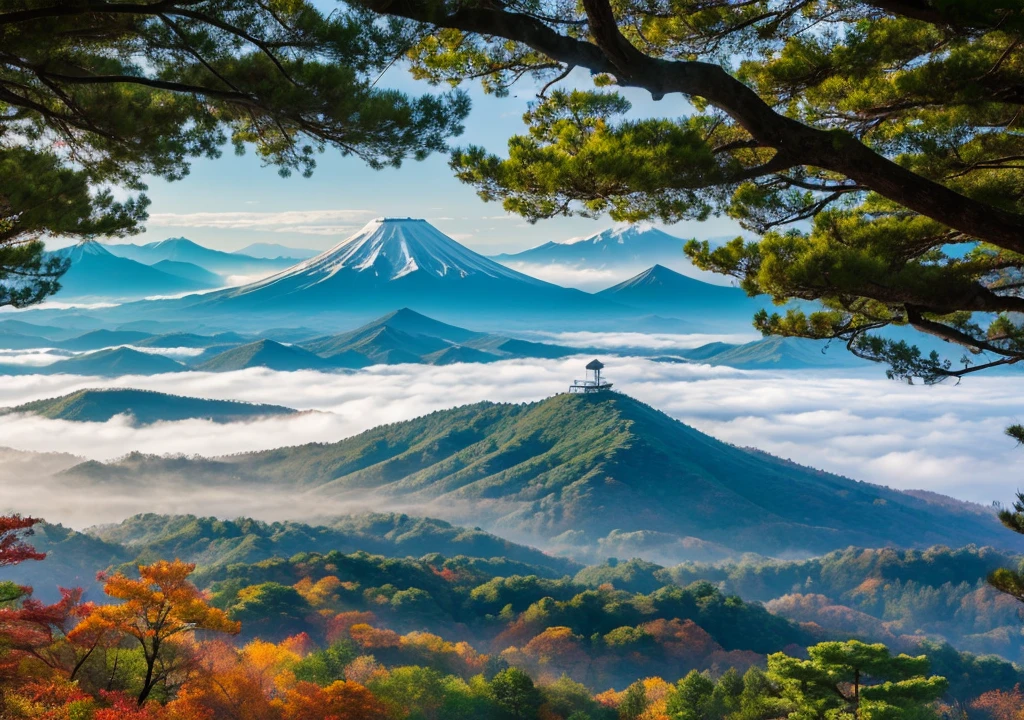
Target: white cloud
[
  {"x": 590, "y": 279},
  {"x": 172, "y": 352},
  {"x": 324, "y": 230},
  {"x": 304, "y": 222},
  {"x": 593, "y": 279},
  {"x": 60, "y": 305},
  {"x": 646, "y": 341},
  {"x": 946, "y": 438},
  {"x": 36, "y": 357}
]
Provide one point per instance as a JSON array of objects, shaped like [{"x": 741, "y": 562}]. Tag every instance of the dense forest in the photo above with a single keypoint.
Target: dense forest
[
  {"x": 284, "y": 620},
  {"x": 576, "y": 474}
]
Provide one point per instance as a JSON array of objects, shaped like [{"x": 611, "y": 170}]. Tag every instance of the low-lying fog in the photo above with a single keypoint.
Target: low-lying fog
[{"x": 946, "y": 438}]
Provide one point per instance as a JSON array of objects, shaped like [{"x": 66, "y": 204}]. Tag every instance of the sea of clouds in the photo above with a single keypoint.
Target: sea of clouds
[{"x": 946, "y": 438}]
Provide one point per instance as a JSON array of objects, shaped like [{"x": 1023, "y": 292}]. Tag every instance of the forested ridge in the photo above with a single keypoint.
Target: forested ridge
[
  {"x": 571, "y": 471},
  {"x": 454, "y": 627}
]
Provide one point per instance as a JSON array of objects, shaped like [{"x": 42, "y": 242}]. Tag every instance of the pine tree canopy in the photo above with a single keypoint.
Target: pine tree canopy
[
  {"x": 875, "y": 147},
  {"x": 855, "y": 680},
  {"x": 96, "y": 94}
]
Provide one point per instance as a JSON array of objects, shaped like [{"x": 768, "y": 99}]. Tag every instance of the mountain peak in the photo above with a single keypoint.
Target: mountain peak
[
  {"x": 620, "y": 234},
  {"x": 659, "y": 276},
  {"x": 632, "y": 246},
  {"x": 177, "y": 242},
  {"x": 83, "y": 249},
  {"x": 599, "y": 464},
  {"x": 391, "y": 248}
]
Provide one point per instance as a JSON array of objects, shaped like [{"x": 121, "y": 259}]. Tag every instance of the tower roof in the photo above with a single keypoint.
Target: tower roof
[{"x": 595, "y": 365}]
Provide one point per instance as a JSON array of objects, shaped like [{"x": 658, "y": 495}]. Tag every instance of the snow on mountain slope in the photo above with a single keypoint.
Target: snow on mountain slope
[
  {"x": 400, "y": 262},
  {"x": 392, "y": 248},
  {"x": 631, "y": 245}
]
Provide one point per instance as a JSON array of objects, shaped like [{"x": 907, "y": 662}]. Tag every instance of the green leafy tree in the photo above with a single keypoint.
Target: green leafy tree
[
  {"x": 725, "y": 699},
  {"x": 760, "y": 697},
  {"x": 1009, "y": 580},
  {"x": 856, "y": 680},
  {"x": 420, "y": 690},
  {"x": 634, "y": 702},
  {"x": 873, "y": 145},
  {"x": 325, "y": 666},
  {"x": 691, "y": 698},
  {"x": 515, "y": 694},
  {"x": 270, "y": 609},
  {"x": 96, "y": 95}
]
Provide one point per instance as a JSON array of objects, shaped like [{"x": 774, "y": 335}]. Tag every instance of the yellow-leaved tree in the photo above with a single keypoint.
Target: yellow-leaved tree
[{"x": 159, "y": 610}]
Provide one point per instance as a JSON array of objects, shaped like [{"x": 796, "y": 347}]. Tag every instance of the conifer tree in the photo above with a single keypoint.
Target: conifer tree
[
  {"x": 874, "y": 147},
  {"x": 1009, "y": 580},
  {"x": 95, "y": 95},
  {"x": 856, "y": 680}
]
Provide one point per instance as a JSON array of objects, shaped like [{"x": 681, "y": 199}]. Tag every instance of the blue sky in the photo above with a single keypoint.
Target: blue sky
[{"x": 231, "y": 202}]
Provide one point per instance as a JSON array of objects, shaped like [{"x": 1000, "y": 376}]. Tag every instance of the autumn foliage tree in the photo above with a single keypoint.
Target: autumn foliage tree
[
  {"x": 13, "y": 547},
  {"x": 28, "y": 627},
  {"x": 158, "y": 611}
]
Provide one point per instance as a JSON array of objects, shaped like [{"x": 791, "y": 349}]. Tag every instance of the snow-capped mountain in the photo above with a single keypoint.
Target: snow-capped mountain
[
  {"x": 396, "y": 262},
  {"x": 392, "y": 248},
  {"x": 631, "y": 246}
]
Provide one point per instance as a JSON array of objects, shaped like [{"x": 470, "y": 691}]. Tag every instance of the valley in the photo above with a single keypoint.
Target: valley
[
  {"x": 382, "y": 431},
  {"x": 462, "y": 360}
]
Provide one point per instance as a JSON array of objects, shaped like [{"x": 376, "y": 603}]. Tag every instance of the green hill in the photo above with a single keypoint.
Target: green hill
[
  {"x": 115, "y": 361},
  {"x": 574, "y": 469},
  {"x": 268, "y": 354},
  {"x": 75, "y": 557},
  {"x": 145, "y": 406}
]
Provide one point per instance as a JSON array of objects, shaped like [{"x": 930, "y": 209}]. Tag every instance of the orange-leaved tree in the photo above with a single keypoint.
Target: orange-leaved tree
[
  {"x": 159, "y": 611},
  {"x": 341, "y": 700}
]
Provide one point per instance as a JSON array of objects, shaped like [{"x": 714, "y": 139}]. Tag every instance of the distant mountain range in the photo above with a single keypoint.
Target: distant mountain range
[
  {"x": 576, "y": 469},
  {"x": 633, "y": 246},
  {"x": 184, "y": 250},
  {"x": 776, "y": 353},
  {"x": 403, "y": 336},
  {"x": 407, "y": 336},
  {"x": 111, "y": 362},
  {"x": 394, "y": 262},
  {"x": 272, "y": 251},
  {"x": 97, "y": 273},
  {"x": 144, "y": 406}
]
